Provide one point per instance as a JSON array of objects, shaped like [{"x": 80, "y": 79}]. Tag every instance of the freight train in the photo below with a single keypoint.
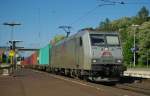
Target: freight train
[{"x": 91, "y": 55}]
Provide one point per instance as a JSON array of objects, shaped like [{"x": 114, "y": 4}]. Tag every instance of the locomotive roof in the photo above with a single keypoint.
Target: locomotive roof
[
  {"x": 80, "y": 33},
  {"x": 99, "y": 32}
]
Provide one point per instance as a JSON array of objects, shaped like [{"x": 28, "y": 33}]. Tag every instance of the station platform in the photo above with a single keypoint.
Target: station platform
[
  {"x": 138, "y": 72},
  {"x": 27, "y": 82}
]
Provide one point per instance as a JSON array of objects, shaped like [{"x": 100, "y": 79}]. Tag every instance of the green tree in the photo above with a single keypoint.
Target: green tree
[
  {"x": 144, "y": 42},
  {"x": 90, "y": 29},
  {"x": 105, "y": 25},
  {"x": 127, "y": 53},
  {"x": 57, "y": 38},
  {"x": 143, "y": 14}
]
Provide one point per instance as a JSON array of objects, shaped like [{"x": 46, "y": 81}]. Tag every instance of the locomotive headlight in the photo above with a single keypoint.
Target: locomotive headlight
[
  {"x": 119, "y": 61},
  {"x": 94, "y": 61}
]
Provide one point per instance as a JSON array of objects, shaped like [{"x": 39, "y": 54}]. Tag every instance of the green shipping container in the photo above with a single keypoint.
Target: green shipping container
[{"x": 44, "y": 55}]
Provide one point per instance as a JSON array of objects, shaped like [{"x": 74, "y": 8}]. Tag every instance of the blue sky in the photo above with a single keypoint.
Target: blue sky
[{"x": 40, "y": 19}]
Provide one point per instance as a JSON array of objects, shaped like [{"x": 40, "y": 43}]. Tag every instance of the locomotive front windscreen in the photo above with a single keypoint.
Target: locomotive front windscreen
[
  {"x": 102, "y": 40},
  {"x": 112, "y": 40},
  {"x": 97, "y": 39}
]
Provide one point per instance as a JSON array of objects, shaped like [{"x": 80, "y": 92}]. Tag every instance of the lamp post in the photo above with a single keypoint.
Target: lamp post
[
  {"x": 147, "y": 58},
  {"x": 12, "y": 42},
  {"x": 12, "y": 25},
  {"x": 134, "y": 45}
]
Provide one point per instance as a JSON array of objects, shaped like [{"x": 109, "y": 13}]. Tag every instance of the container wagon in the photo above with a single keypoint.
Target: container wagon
[
  {"x": 30, "y": 61},
  {"x": 44, "y": 58}
]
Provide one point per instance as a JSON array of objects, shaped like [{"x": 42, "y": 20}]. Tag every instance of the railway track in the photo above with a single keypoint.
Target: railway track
[
  {"x": 145, "y": 91},
  {"x": 137, "y": 85}
]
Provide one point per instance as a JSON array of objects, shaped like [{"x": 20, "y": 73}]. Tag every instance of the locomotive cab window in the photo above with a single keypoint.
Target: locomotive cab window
[
  {"x": 80, "y": 41},
  {"x": 97, "y": 39},
  {"x": 112, "y": 40}
]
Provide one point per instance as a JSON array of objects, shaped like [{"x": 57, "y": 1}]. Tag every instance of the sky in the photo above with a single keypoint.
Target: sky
[{"x": 40, "y": 19}]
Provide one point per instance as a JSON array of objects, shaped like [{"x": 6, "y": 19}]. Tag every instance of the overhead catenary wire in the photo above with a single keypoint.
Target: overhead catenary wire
[
  {"x": 39, "y": 21},
  {"x": 109, "y": 1},
  {"x": 95, "y": 8},
  {"x": 84, "y": 15},
  {"x": 89, "y": 12},
  {"x": 105, "y": 3},
  {"x": 40, "y": 27},
  {"x": 123, "y": 2}
]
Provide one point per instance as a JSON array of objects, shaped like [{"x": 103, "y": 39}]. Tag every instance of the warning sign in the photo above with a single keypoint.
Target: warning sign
[{"x": 11, "y": 53}]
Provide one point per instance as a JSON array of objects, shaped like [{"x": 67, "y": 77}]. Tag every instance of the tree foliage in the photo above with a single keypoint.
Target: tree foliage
[
  {"x": 105, "y": 25},
  {"x": 127, "y": 50},
  {"x": 144, "y": 42},
  {"x": 57, "y": 38},
  {"x": 90, "y": 29},
  {"x": 143, "y": 13}
]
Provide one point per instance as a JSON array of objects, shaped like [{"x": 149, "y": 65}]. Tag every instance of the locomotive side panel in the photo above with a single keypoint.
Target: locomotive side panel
[
  {"x": 79, "y": 56},
  {"x": 70, "y": 54},
  {"x": 54, "y": 57},
  {"x": 87, "y": 55}
]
